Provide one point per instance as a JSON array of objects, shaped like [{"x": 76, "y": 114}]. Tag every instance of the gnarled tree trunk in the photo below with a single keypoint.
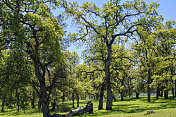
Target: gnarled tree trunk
[{"x": 108, "y": 80}]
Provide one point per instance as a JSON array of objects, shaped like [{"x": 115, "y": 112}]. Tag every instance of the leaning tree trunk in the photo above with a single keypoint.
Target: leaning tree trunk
[
  {"x": 81, "y": 110},
  {"x": 77, "y": 112},
  {"x": 100, "y": 106},
  {"x": 108, "y": 82}
]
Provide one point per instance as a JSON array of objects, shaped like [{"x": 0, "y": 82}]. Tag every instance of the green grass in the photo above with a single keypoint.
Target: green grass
[{"x": 128, "y": 108}]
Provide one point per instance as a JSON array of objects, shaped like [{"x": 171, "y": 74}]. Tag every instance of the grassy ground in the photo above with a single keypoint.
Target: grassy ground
[{"x": 128, "y": 108}]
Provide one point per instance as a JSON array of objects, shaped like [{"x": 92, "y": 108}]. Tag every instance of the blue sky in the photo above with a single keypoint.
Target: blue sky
[{"x": 167, "y": 9}]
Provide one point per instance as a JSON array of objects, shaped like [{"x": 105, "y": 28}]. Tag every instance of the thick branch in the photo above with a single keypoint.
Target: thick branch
[
  {"x": 125, "y": 33},
  {"x": 92, "y": 27}
]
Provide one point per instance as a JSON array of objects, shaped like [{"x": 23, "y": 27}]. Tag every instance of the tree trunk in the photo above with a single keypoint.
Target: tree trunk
[
  {"x": 166, "y": 90},
  {"x": 161, "y": 92},
  {"x": 77, "y": 96},
  {"x": 100, "y": 106},
  {"x": 137, "y": 95},
  {"x": 45, "y": 102},
  {"x": 73, "y": 98},
  {"x": 121, "y": 96},
  {"x": 122, "y": 91},
  {"x": 166, "y": 94},
  {"x": 148, "y": 93},
  {"x": 148, "y": 86},
  {"x": 3, "y": 103},
  {"x": 45, "y": 109},
  {"x": 173, "y": 93},
  {"x": 43, "y": 97},
  {"x": 108, "y": 82},
  {"x": 129, "y": 92},
  {"x": 39, "y": 105},
  {"x": 157, "y": 93}
]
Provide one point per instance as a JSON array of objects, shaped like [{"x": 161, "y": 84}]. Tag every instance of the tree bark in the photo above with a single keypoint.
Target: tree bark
[
  {"x": 73, "y": 98},
  {"x": 100, "y": 106},
  {"x": 42, "y": 94},
  {"x": 45, "y": 102},
  {"x": 108, "y": 82}
]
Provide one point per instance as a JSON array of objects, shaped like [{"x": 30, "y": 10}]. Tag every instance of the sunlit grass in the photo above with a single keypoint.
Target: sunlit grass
[{"x": 129, "y": 108}]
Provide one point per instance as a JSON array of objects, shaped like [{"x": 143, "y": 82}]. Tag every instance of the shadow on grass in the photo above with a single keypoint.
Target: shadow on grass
[
  {"x": 129, "y": 105},
  {"x": 133, "y": 105}
]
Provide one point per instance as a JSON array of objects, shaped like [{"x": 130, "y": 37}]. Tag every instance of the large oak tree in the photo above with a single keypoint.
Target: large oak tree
[
  {"x": 112, "y": 21},
  {"x": 30, "y": 26}
]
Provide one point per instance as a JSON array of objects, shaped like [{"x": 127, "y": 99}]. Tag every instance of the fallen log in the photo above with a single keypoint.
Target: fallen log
[{"x": 80, "y": 110}]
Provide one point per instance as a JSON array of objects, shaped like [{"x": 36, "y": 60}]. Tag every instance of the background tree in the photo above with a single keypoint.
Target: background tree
[{"x": 165, "y": 51}]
